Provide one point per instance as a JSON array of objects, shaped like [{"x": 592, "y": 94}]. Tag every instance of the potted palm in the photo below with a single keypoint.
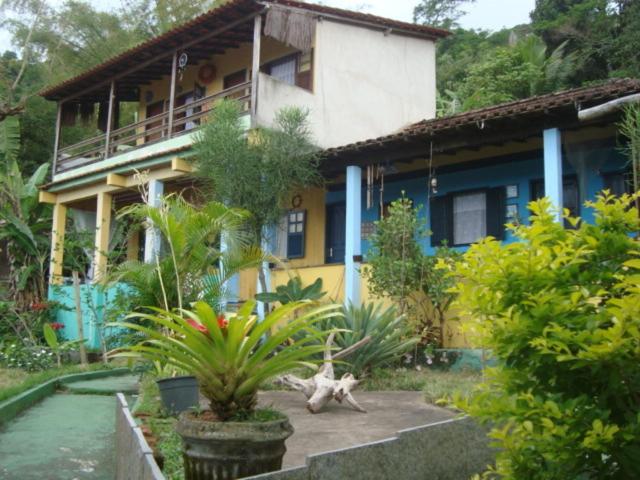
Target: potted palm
[{"x": 231, "y": 356}]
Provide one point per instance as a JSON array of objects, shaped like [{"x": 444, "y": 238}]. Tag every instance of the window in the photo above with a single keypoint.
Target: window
[
  {"x": 469, "y": 217},
  {"x": 461, "y": 218},
  {"x": 295, "y": 233},
  {"x": 233, "y": 79},
  {"x": 570, "y": 194},
  {"x": 284, "y": 69},
  {"x": 618, "y": 183}
]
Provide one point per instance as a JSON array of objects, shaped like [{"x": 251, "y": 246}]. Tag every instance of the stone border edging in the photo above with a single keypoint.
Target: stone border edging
[
  {"x": 11, "y": 407},
  {"x": 134, "y": 457},
  {"x": 447, "y": 450}
]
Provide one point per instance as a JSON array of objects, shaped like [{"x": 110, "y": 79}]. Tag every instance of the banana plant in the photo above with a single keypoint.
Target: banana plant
[
  {"x": 230, "y": 356},
  {"x": 56, "y": 346}
]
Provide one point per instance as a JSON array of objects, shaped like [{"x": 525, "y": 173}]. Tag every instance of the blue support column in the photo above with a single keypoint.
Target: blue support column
[
  {"x": 553, "y": 169},
  {"x": 353, "y": 236},
  {"x": 152, "y": 236},
  {"x": 232, "y": 288}
]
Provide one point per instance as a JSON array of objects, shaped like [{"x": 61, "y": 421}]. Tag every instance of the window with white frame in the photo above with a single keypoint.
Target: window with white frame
[
  {"x": 295, "y": 233},
  {"x": 469, "y": 217}
]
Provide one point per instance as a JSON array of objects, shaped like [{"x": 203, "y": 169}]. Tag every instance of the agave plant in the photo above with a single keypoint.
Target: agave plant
[
  {"x": 390, "y": 336},
  {"x": 231, "y": 357}
]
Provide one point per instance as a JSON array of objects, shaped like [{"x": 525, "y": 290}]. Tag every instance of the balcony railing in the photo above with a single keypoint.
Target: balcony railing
[{"x": 148, "y": 131}]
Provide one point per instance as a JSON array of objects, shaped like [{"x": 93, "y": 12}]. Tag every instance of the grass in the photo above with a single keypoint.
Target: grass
[
  {"x": 15, "y": 381},
  {"x": 439, "y": 386}
]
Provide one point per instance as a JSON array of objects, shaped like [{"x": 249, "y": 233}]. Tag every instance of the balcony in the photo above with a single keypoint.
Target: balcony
[{"x": 184, "y": 119}]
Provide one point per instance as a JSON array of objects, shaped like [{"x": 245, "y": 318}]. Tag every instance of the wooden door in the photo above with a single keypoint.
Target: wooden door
[
  {"x": 336, "y": 233},
  {"x": 153, "y": 110}
]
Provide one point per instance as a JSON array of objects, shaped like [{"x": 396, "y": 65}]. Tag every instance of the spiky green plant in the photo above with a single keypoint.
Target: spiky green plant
[
  {"x": 230, "y": 357},
  {"x": 293, "y": 291},
  {"x": 390, "y": 336}
]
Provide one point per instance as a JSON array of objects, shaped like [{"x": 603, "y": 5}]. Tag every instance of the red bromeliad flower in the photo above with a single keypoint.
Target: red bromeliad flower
[
  {"x": 198, "y": 326},
  {"x": 57, "y": 325},
  {"x": 222, "y": 322}
]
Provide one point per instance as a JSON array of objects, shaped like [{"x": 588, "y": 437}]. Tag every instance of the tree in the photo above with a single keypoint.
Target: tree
[
  {"x": 518, "y": 71},
  {"x": 439, "y": 13},
  {"x": 25, "y": 222},
  {"x": 259, "y": 173}
]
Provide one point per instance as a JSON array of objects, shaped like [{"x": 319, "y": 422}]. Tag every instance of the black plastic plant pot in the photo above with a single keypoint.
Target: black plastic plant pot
[
  {"x": 178, "y": 393},
  {"x": 230, "y": 450}
]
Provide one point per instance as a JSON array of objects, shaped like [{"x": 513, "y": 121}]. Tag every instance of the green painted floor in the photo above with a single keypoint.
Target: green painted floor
[
  {"x": 66, "y": 436},
  {"x": 125, "y": 384}
]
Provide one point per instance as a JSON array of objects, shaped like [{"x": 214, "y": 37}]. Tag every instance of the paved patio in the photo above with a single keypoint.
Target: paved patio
[{"x": 339, "y": 427}]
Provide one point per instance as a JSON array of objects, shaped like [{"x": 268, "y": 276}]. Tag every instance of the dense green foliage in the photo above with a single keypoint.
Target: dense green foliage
[
  {"x": 228, "y": 356},
  {"x": 397, "y": 268},
  {"x": 560, "y": 311},
  {"x": 293, "y": 291}
]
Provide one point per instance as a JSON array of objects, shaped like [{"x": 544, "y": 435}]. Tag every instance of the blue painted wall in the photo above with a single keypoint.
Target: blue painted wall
[
  {"x": 93, "y": 301},
  {"x": 591, "y": 163}
]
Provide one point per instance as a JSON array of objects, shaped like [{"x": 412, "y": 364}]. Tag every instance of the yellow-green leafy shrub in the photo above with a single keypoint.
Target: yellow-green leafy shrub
[{"x": 560, "y": 311}]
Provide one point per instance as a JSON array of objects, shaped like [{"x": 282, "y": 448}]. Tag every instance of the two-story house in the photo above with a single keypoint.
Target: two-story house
[
  {"x": 358, "y": 75},
  {"x": 369, "y": 85}
]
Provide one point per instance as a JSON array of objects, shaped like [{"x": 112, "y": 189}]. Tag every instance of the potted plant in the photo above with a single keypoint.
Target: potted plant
[
  {"x": 231, "y": 357},
  {"x": 178, "y": 391}
]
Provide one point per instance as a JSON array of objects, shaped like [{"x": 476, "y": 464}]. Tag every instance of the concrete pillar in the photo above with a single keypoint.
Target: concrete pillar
[
  {"x": 103, "y": 225},
  {"x": 353, "y": 236},
  {"x": 152, "y": 236},
  {"x": 57, "y": 243},
  {"x": 553, "y": 169}
]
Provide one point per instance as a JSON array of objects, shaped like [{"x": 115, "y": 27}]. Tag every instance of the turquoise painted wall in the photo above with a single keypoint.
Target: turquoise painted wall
[
  {"x": 519, "y": 169},
  {"x": 94, "y": 299}
]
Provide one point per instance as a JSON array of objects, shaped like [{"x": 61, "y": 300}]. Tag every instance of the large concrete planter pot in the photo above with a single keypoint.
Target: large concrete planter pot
[
  {"x": 178, "y": 393},
  {"x": 229, "y": 450}
]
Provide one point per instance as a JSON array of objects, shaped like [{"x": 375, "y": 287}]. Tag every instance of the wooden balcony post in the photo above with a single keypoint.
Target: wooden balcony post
[
  {"x": 103, "y": 224},
  {"x": 172, "y": 92},
  {"x": 255, "y": 69},
  {"x": 57, "y": 243},
  {"x": 56, "y": 141},
  {"x": 107, "y": 141}
]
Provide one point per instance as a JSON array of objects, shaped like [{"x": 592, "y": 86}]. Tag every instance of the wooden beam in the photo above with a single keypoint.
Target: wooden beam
[
  {"x": 112, "y": 95},
  {"x": 56, "y": 141},
  {"x": 164, "y": 55},
  {"x": 47, "y": 197},
  {"x": 57, "y": 243},
  {"x": 255, "y": 68},
  {"x": 172, "y": 92},
  {"x": 115, "y": 180},
  {"x": 103, "y": 224},
  {"x": 180, "y": 165}
]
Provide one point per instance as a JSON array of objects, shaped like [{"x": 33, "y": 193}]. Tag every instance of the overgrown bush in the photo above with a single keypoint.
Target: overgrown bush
[
  {"x": 398, "y": 269},
  {"x": 560, "y": 311}
]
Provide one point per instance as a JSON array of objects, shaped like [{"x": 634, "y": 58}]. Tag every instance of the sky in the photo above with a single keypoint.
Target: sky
[{"x": 484, "y": 14}]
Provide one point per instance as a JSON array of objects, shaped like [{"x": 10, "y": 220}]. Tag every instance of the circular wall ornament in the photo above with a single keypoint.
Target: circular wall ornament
[
  {"x": 183, "y": 59},
  {"x": 207, "y": 73},
  {"x": 296, "y": 201}
]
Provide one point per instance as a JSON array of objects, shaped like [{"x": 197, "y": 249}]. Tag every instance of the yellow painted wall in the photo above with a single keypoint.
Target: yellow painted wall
[{"x": 232, "y": 61}]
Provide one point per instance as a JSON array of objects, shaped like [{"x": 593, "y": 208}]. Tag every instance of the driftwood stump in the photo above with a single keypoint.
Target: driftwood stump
[{"x": 323, "y": 386}]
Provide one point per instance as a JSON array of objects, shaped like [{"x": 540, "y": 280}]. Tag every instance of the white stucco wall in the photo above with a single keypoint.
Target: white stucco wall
[{"x": 366, "y": 84}]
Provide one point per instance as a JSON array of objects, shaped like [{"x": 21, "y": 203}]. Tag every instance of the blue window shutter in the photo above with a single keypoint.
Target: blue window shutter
[
  {"x": 441, "y": 213},
  {"x": 296, "y": 226}
]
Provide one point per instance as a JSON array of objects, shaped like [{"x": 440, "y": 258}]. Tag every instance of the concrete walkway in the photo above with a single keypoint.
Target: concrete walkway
[
  {"x": 339, "y": 427},
  {"x": 66, "y": 436}
]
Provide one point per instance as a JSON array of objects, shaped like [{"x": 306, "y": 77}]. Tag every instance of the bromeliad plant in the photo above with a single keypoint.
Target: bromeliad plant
[{"x": 231, "y": 357}]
